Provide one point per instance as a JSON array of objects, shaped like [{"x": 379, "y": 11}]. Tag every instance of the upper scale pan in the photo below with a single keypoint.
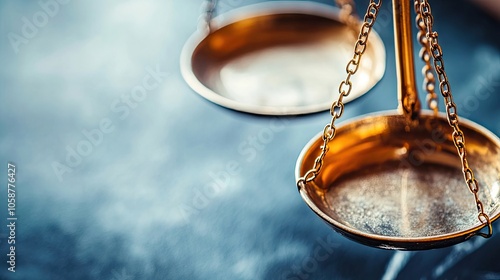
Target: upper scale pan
[{"x": 278, "y": 58}]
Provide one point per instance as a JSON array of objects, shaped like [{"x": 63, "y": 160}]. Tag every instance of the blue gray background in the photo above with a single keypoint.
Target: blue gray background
[{"x": 141, "y": 203}]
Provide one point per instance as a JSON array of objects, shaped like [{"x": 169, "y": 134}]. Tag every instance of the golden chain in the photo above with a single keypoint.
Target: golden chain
[
  {"x": 451, "y": 111},
  {"x": 427, "y": 70},
  {"x": 345, "y": 87}
]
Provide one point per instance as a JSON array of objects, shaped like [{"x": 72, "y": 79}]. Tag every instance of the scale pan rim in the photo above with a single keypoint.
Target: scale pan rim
[
  {"x": 202, "y": 83},
  {"x": 394, "y": 242}
]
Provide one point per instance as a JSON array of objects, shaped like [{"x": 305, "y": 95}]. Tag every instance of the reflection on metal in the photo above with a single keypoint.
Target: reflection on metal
[
  {"x": 359, "y": 190},
  {"x": 393, "y": 180},
  {"x": 278, "y": 58}
]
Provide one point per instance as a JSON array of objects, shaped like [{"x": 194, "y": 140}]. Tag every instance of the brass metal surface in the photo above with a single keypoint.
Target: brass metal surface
[
  {"x": 409, "y": 104},
  {"x": 389, "y": 187},
  {"x": 404, "y": 180},
  {"x": 278, "y": 59}
]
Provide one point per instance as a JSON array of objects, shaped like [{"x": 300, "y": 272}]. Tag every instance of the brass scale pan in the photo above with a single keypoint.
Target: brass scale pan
[
  {"x": 277, "y": 58},
  {"x": 384, "y": 183},
  {"x": 388, "y": 184}
]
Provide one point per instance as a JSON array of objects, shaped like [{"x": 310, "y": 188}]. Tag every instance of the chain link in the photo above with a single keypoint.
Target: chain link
[
  {"x": 345, "y": 87},
  {"x": 424, "y": 10},
  {"x": 429, "y": 84}
]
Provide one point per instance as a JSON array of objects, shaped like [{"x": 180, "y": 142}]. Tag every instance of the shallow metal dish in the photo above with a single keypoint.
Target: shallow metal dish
[
  {"x": 385, "y": 186},
  {"x": 278, "y": 58},
  {"x": 394, "y": 180}
]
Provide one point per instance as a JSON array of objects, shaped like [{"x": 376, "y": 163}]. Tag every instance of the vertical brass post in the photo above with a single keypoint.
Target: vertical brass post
[{"x": 409, "y": 103}]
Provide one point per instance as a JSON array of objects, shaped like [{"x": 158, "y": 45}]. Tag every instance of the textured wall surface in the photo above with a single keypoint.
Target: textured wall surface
[{"x": 166, "y": 185}]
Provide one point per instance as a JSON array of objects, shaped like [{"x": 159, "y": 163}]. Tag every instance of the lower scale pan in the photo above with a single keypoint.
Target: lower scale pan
[
  {"x": 393, "y": 187},
  {"x": 278, "y": 58}
]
